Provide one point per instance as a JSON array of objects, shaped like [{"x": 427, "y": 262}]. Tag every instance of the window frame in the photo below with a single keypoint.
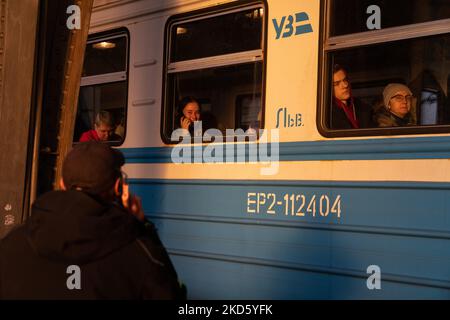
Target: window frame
[
  {"x": 329, "y": 45},
  {"x": 169, "y": 68},
  {"x": 111, "y": 77}
]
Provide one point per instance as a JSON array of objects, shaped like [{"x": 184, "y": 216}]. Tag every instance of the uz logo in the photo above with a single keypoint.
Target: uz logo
[{"x": 289, "y": 27}]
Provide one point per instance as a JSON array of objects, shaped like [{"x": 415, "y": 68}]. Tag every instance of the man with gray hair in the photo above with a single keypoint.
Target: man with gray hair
[{"x": 104, "y": 127}]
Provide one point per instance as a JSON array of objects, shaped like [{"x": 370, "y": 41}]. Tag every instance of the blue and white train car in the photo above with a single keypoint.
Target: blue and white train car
[{"x": 295, "y": 208}]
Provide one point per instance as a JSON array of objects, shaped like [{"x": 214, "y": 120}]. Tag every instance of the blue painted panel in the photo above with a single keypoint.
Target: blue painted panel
[
  {"x": 223, "y": 280},
  {"x": 212, "y": 279},
  {"x": 419, "y": 207},
  {"x": 402, "y": 228},
  {"x": 329, "y": 251},
  {"x": 366, "y": 149}
]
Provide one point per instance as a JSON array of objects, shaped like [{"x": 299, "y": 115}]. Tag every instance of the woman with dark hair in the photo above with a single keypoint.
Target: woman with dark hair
[{"x": 188, "y": 113}]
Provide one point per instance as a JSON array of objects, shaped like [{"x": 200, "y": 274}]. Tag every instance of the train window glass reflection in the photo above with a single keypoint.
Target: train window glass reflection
[
  {"x": 106, "y": 55},
  {"x": 104, "y": 84},
  {"x": 248, "y": 111},
  {"x": 92, "y": 99},
  {"x": 429, "y": 106},
  {"x": 214, "y": 70},
  {"x": 220, "y": 87},
  {"x": 232, "y": 32},
  {"x": 350, "y": 16}
]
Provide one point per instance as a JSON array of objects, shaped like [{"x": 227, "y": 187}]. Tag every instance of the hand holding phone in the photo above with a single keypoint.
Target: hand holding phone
[
  {"x": 185, "y": 123},
  {"x": 132, "y": 203}
]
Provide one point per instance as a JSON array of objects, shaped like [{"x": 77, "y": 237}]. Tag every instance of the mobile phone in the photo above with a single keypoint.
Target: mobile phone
[{"x": 123, "y": 190}]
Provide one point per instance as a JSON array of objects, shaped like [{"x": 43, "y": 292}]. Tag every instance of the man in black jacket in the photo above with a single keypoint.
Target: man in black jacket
[{"x": 87, "y": 241}]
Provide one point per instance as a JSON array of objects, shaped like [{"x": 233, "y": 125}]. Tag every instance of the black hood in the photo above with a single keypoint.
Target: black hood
[{"x": 72, "y": 226}]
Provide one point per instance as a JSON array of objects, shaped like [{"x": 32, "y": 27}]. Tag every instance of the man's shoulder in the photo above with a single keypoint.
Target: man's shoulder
[
  {"x": 150, "y": 244},
  {"x": 151, "y": 247}
]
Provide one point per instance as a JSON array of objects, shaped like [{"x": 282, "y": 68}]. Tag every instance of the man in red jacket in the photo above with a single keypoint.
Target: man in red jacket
[{"x": 104, "y": 128}]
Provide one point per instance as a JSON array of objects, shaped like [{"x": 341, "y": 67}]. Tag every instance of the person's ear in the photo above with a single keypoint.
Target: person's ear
[{"x": 62, "y": 186}]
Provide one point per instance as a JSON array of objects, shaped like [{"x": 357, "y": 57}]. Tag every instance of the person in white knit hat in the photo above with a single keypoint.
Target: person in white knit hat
[{"x": 396, "y": 112}]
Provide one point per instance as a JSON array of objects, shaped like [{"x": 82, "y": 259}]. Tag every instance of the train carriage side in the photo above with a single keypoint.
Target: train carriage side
[{"x": 274, "y": 201}]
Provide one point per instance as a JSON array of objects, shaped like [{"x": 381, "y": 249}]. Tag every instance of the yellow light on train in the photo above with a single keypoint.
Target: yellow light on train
[
  {"x": 181, "y": 30},
  {"x": 104, "y": 45}
]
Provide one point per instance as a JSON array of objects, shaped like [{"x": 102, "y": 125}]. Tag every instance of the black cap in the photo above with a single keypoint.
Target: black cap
[{"x": 92, "y": 166}]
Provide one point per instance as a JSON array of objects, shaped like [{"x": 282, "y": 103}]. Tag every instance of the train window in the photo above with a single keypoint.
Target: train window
[
  {"x": 248, "y": 113},
  {"x": 389, "y": 81},
  {"x": 233, "y": 32},
  {"x": 103, "y": 88},
  {"x": 350, "y": 16},
  {"x": 105, "y": 56},
  {"x": 216, "y": 70}
]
